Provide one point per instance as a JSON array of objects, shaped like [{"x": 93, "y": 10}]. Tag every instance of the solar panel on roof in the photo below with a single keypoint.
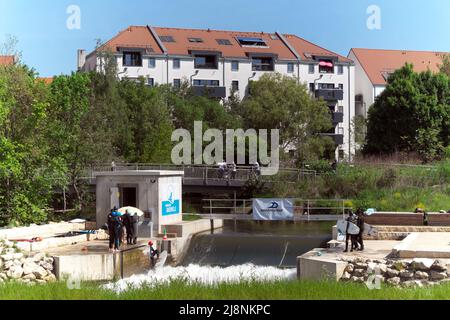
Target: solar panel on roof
[
  {"x": 224, "y": 42},
  {"x": 251, "y": 41},
  {"x": 167, "y": 39}
]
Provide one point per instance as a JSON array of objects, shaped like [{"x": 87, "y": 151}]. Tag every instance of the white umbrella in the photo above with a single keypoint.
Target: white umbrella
[{"x": 132, "y": 211}]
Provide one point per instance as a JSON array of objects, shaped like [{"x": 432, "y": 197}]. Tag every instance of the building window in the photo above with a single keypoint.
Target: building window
[
  {"x": 290, "y": 68},
  {"x": 262, "y": 64},
  {"x": 167, "y": 39},
  {"x": 325, "y": 86},
  {"x": 132, "y": 59},
  {"x": 224, "y": 42},
  {"x": 176, "y": 63},
  {"x": 177, "y": 83},
  {"x": 340, "y": 69},
  {"x": 195, "y": 40},
  {"x": 252, "y": 42},
  {"x": 235, "y": 85},
  {"x": 208, "y": 83},
  {"x": 312, "y": 87},
  {"x": 326, "y": 66},
  {"x": 311, "y": 68},
  {"x": 150, "y": 82},
  {"x": 234, "y": 65},
  {"x": 151, "y": 63},
  {"x": 341, "y": 86},
  {"x": 205, "y": 62}
]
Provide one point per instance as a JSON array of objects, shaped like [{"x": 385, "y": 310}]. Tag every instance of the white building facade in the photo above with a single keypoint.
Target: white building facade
[{"x": 219, "y": 63}]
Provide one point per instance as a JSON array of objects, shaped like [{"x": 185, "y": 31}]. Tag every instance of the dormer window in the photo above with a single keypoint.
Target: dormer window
[
  {"x": 205, "y": 61},
  {"x": 195, "y": 40},
  {"x": 326, "y": 66},
  {"x": 252, "y": 42},
  {"x": 132, "y": 59}
]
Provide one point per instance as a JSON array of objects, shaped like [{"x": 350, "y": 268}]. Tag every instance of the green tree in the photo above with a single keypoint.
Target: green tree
[
  {"x": 280, "y": 102},
  {"x": 411, "y": 115}
]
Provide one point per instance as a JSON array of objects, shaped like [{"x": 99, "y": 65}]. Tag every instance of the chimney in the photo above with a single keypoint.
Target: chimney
[{"x": 81, "y": 59}]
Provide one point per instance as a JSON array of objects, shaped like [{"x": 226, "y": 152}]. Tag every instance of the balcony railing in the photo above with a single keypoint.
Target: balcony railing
[
  {"x": 337, "y": 117},
  {"x": 337, "y": 138},
  {"x": 330, "y": 94},
  {"x": 210, "y": 92}
]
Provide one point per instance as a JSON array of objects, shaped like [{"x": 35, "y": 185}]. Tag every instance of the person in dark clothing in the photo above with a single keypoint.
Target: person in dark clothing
[
  {"x": 117, "y": 226},
  {"x": 154, "y": 254},
  {"x": 111, "y": 230},
  {"x": 126, "y": 218},
  {"x": 360, "y": 223},
  {"x": 134, "y": 226},
  {"x": 352, "y": 218}
]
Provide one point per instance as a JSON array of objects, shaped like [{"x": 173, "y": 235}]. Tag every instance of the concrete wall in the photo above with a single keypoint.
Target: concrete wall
[
  {"x": 193, "y": 227},
  {"x": 312, "y": 267},
  {"x": 43, "y": 231},
  {"x": 439, "y": 219}
]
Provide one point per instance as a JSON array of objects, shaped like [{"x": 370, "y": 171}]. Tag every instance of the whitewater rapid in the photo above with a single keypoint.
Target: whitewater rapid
[{"x": 204, "y": 275}]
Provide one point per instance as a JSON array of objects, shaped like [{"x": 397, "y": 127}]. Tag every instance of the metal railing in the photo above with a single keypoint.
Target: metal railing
[
  {"x": 205, "y": 172},
  {"x": 304, "y": 209}
]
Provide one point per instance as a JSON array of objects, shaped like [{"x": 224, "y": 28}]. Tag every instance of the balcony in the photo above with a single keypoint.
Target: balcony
[
  {"x": 210, "y": 92},
  {"x": 337, "y": 138},
  {"x": 330, "y": 94},
  {"x": 337, "y": 117}
]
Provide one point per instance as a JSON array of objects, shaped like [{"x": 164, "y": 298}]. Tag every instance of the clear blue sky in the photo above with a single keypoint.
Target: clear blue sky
[{"x": 49, "y": 47}]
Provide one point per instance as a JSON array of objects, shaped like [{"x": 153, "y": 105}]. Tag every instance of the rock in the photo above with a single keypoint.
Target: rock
[
  {"x": 350, "y": 268},
  {"x": 437, "y": 276},
  {"x": 395, "y": 281},
  {"x": 409, "y": 284},
  {"x": 39, "y": 281},
  {"x": 29, "y": 267},
  {"x": 8, "y": 264},
  {"x": 7, "y": 257},
  {"x": 439, "y": 266},
  {"x": 30, "y": 276},
  {"x": 15, "y": 272},
  {"x": 358, "y": 273},
  {"x": 39, "y": 272},
  {"x": 406, "y": 275},
  {"x": 8, "y": 244},
  {"x": 361, "y": 265},
  {"x": 38, "y": 257},
  {"x": 17, "y": 262},
  {"x": 392, "y": 273},
  {"x": 3, "y": 276},
  {"x": 421, "y": 275},
  {"x": 49, "y": 260},
  {"x": 383, "y": 268},
  {"x": 45, "y": 265},
  {"x": 18, "y": 256},
  {"x": 357, "y": 279},
  {"x": 421, "y": 264},
  {"x": 380, "y": 261},
  {"x": 399, "y": 265}
]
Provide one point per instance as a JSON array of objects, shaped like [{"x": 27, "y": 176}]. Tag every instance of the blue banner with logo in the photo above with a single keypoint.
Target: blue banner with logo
[
  {"x": 273, "y": 209},
  {"x": 171, "y": 206}
]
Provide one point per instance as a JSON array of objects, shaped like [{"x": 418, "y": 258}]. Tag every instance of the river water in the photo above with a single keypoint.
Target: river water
[{"x": 247, "y": 251}]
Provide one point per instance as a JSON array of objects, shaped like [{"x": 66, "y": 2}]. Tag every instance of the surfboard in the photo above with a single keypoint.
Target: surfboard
[
  {"x": 342, "y": 228},
  {"x": 162, "y": 260}
]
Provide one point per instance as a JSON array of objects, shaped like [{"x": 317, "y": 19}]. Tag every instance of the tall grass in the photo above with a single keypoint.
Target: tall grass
[{"x": 294, "y": 290}]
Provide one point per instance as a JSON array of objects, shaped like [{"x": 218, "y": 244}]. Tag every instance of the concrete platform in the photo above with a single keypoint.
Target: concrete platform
[
  {"x": 325, "y": 263},
  {"x": 424, "y": 245}
]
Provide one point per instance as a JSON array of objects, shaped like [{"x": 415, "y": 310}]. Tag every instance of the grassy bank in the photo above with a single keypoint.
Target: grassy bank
[
  {"x": 245, "y": 291},
  {"x": 387, "y": 188}
]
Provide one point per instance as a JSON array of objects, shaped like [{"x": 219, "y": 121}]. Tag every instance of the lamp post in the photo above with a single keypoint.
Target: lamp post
[{"x": 195, "y": 74}]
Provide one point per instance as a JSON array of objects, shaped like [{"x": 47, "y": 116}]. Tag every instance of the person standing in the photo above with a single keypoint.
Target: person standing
[
  {"x": 117, "y": 226},
  {"x": 154, "y": 254},
  {"x": 134, "y": 224},
  {"x": 110, "y": 226},
  {"x": 360, "y": 223},
  {"x": 127, "y": 224}
]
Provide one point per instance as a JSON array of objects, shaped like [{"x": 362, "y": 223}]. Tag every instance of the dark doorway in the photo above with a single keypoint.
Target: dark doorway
[{"x": 129, "y": 197}]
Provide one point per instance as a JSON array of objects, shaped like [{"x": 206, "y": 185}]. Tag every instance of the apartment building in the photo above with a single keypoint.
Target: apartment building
[
  {"x": 218, "y": 63},
  {"x": 7, "y": 60},
  {"x": 373, "y": 68}
]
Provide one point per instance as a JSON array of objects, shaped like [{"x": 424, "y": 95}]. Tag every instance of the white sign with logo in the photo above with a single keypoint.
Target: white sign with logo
[
  {"x": 171, "y": 199},
  {"x": 273, "y": 209}
]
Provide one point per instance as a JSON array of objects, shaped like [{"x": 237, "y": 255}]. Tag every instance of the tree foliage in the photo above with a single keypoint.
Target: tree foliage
[{"x": 411, "y": 115}]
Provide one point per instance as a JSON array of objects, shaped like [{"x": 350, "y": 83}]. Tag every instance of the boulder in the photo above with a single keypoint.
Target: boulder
[
  {"x": 358, "y": 273},
  {"x": 39, "y": 272},
  {"x": 395, "y": 281},
  {"x": 421, "y": 275},
  {"x": 439, "y": 266},
  {"x": 38, "y": 257},
  {"x": 399, "y": 265},
  {"x": 437, "y": 276},
  {"x": 49, "y": 260},
  {"x": 357, "y": 279},
  {"x": 30, "y": 267},
  {"x": 7, "y": 257},
  {"x": 8, "y": 264},
  {"x": 421, "y": 264},
  {"x": 29, "y": 276},
  {"x": 361, "y": 265},
  {"x": 15, "y": 272},
  {"x": 350, "y": 268},
  {"x": 391, "y": 273},
  {"x": 3, "y": 276},
  {"x": 18, "y": 255},
  {"x": 406, "y": 275},
  {"x": 50, "y": 278}
]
